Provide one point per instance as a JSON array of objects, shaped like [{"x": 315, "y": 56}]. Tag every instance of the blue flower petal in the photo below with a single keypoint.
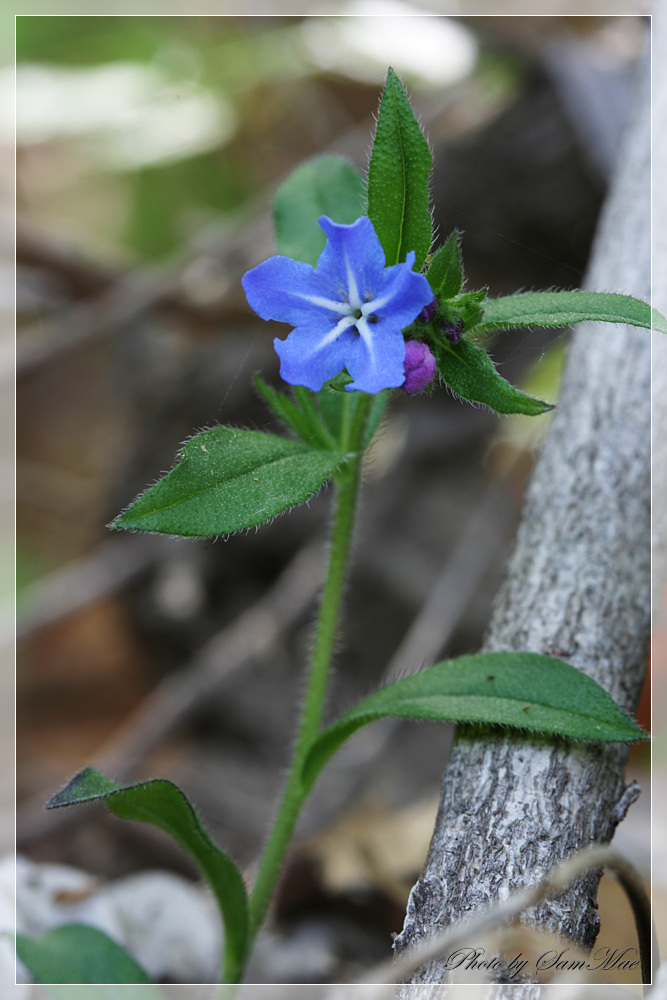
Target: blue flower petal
[
  {"x": 353, "y": 254},
  {"x": 401, "y": 293},
  {"x": 375, "y": 358},
  {"x": 312, "y": 354},
  {"x": 291, "y": 291}
]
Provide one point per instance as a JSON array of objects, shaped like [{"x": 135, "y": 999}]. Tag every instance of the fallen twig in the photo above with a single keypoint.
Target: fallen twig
[{"x": 501, "y": 913}]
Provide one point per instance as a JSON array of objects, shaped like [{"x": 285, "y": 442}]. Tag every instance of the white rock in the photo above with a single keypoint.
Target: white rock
[
  {"x": 48, "y": 895},
  {"x": 168, "y": 923}
]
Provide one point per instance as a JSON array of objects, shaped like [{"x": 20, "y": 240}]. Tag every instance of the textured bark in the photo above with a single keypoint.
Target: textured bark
[{"x": 578, "y": 586}]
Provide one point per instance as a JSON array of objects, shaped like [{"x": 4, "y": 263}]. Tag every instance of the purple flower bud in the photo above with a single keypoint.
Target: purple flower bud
[
  {"x": 419, "y": 367},
  {"x": 452, "y": 331},
  {"x": 428, "y": 312}
]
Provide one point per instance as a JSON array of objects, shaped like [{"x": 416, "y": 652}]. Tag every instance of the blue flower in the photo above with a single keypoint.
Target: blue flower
[{"x": 347, "y": 313}]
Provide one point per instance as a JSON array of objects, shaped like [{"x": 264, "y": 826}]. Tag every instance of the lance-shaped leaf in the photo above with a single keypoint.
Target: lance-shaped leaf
[
  {"x": 164, "y": 805},
  {"x": 398, "y": 175},
  {"x": 555, "y": 309},
  {"x": 227, "y": 480},
  {"x": 469, "y": 372},
  {"x": 527, "y": 691},
  {"x": 325, "y": 185},
  {"x": 445, "y": 272},
  {"x": 78, "y": 954},
  {"x": 293, "y": 416}
]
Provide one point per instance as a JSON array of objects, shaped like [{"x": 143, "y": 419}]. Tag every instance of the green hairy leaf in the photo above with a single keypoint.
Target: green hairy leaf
[
  {"x": 325, "y": 185},
  {"x": 290, "y": 414},
  {"x": 469, "y": 372},
  {"x": 398, "y": 176},
  {"x": 227, "y": 480},
  {"x": 554, "y": 309},
  {"x": 527, "y": 691},
  {"x": 75, "y": 953},
  {"x": 445, "y": 272},
  {"x": 163, "y": 804}
]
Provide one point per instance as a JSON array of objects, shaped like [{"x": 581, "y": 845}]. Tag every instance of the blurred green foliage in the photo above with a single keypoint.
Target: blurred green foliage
[
  {"x": 226, "y": 57},
  {"x": 87, "y": 41},
  {"x": 164, "y": 197}
]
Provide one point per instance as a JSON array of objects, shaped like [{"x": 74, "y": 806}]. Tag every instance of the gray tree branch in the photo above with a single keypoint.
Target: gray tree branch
[{"x": 578, "y": 585}]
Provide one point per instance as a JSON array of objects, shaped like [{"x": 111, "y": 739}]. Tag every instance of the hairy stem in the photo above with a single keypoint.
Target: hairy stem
[{"x": 311, "y": 713}]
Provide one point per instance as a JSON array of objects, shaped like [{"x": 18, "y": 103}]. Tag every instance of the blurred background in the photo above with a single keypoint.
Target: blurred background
[{"x": 148, "y": 149}]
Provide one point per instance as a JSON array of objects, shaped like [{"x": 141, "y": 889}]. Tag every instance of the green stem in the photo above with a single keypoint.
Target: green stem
[
  {"x": 345, "y": 422},
  {"x": 311, "y": 713}
]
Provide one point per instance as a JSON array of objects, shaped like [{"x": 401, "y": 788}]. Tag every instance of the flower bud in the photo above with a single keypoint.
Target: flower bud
[
  {"x": 419, "y": 367},
  {"x": 452, "y": 331},
  {"x": 428, "y": 312}
]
